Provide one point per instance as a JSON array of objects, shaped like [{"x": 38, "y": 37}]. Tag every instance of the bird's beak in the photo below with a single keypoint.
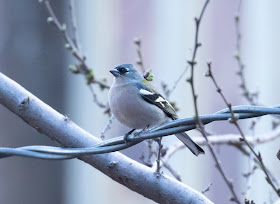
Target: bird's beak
[{"x": 115, "y": 72}]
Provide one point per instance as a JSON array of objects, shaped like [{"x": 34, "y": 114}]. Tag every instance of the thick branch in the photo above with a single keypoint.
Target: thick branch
[{"x": 120, "y": 168}]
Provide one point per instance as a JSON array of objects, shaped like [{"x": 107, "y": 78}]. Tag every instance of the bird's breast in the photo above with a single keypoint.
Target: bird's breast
[{"x": 132, "y": 110}]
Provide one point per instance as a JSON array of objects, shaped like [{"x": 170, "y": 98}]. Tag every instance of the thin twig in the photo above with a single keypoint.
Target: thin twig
[
  {"x": 139, "y": 61},
  {"x": 164, "y": 158},
  {"x": 167, "y": 91},
  {"x": 150, "y": 152},
  {"x": 251, "y": 161},
  {"x": 62, "y": 28},
  {"x": 73, "y": 23},
  {"x": 159, "y": 155},
  {"x": 96, "y": 100},
  {"x": 107, "y": 127},
  {"x": 234, "y": 119},
  {"x": 251, "y": 97},
  {"x": 192, "y": 64},
  {"x": 73, "y": 45},
  {"x": 178, "y": 80},
  {"x": 227, "y": 139},
  {"x": 147, "y": 74},
  {"x": 171, "y": 170},
  {"x": 207, "y": 188},
  {"x": 82, "y": 67}
]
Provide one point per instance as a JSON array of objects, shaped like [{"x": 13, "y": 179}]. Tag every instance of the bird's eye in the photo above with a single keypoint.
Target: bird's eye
[{"x": 123, "y": 70}]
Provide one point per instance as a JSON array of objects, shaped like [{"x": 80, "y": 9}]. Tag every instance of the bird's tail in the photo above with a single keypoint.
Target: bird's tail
[{"x": 193, "y": 147}]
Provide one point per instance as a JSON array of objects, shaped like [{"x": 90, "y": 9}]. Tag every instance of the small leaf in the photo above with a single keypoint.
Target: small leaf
[
  {"x": 148, "y": 75},
  {"x": 90, "y": 76}
]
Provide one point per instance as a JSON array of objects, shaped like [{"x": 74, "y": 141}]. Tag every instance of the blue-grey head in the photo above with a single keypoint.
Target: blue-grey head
[{"x": 126, "y": 72}]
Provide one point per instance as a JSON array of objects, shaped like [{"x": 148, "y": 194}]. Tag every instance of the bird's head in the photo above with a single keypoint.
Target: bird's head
[{"x": 126, "y": 72}]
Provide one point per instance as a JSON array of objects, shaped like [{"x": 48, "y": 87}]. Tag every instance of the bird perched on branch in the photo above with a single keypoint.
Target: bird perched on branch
[{"x": 136, "y": 104}]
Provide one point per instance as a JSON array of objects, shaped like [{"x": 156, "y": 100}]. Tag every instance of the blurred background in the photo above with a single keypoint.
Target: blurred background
[{"x": 32, "y": 53}]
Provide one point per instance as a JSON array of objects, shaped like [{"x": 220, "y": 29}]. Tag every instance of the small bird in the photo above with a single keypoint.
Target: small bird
[{"x": 137, "y": 105}]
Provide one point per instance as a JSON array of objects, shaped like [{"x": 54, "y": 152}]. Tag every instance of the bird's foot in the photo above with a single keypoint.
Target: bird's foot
[
  {"x": 127, "y": 134},
  {"x": 125, "y": 138},
  {"x": 143, "y": 130}
]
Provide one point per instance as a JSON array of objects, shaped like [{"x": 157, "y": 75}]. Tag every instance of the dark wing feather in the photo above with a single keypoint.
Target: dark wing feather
[
  {"x": 156, "y": 99},
  {"x": 152, "y": 96}
]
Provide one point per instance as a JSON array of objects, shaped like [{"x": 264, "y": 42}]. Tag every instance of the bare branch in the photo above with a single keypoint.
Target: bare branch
[
  {"x": 96, "y": 100},
  {"x": 251, "y": 97},
  {"x": 207, "y": 188},
  {"x": 159, "y": 155},
  {"x": 227, "y": 139},
  {"x": 73, "y": 23},
  {"x": 200, "y": 125},
  {"x": 235, "y": 139},
  {"x": 168, "y": 91},
  {"x": 178, "y": 80},
  {"x": 71, "y": 45},
  {"x": 139, "y": 61},
  {"x": 107, "y": 127},
  {"x": 234, "y": 119},
  {"x": 171, "y": 170}
]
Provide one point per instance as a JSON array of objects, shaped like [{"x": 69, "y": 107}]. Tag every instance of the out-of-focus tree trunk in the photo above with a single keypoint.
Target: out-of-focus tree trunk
[{"x": 31, "y": 52}]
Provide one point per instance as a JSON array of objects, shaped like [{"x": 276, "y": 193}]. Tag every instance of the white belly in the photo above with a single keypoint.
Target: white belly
[{"x": 135, "y": 112}]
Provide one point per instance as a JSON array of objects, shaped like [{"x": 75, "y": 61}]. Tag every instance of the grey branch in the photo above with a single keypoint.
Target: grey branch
[
  {"x": 228, "y": 139},
  {"x": 120, "y": 168},
  {"x": 107, "y": 127},
  {"x": 235, "y": 138}
]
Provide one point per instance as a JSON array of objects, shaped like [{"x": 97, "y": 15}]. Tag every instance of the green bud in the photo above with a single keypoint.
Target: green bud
[
  {"x": 74, "y": 51},
  {"x": 50, "y": 19},
  {"x": 63, "y": 27},
  {"x": 90, "y": 76},
  {"x": 150, "y": 77},
  {"x": 74, "y": 69},
  {"x": 137, "y": 41},
  {"x": 236, "y": 55},
  {"x": 67, "y": 46}
]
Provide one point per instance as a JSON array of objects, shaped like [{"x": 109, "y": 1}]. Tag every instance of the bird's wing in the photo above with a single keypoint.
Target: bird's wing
[{"x": 150, "y": 95}]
